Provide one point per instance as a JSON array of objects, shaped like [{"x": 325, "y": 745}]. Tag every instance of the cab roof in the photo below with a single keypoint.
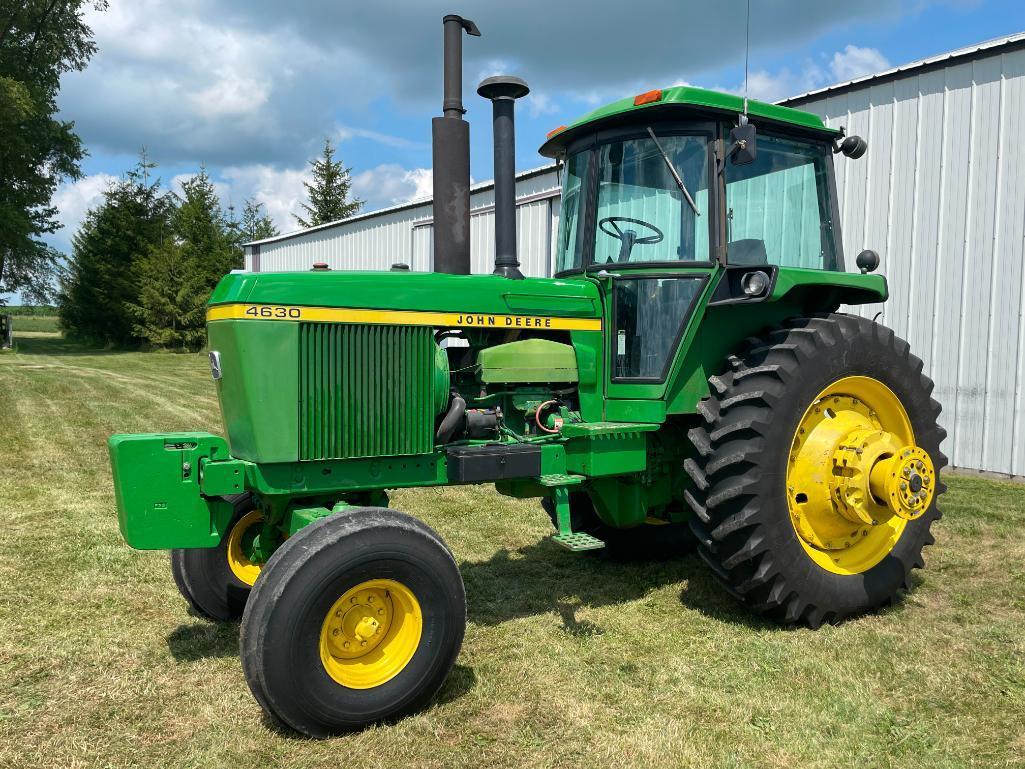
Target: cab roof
[{"x": 687, "y": 96}]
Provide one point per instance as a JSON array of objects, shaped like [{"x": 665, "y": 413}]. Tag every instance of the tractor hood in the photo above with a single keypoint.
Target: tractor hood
[{"x": 499, "y": 300}]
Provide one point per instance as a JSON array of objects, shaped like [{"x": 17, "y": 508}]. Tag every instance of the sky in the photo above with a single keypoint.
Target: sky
[{"x": 250, "y": 90}]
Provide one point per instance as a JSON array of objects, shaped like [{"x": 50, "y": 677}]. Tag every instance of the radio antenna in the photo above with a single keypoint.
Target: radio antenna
[{"x": 747, "y": 56}]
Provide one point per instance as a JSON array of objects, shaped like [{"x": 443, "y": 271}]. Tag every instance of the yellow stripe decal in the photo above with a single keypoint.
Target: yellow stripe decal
[{"x": 397, "y": 317}]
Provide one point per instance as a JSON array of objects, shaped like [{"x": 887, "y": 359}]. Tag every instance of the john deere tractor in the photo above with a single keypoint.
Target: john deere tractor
[{"x": 687, "y": 374}]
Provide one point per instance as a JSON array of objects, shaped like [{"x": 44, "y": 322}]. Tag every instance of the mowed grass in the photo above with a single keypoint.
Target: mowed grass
[
  {"x": 568, "y": 661},
  {"x": 33, "y": 323}
]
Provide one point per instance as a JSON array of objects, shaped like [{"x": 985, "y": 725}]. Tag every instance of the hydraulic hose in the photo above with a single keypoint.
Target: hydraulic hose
[{"x": 453, "y": 418}]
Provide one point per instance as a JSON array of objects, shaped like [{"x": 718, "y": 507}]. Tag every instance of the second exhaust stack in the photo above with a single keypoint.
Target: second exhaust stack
[{"x": 503, "y": 91}]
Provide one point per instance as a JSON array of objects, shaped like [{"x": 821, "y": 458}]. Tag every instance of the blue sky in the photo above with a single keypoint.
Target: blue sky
[{"x": 251, "y": 89}]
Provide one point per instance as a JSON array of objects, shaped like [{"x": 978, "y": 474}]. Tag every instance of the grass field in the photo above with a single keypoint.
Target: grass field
[
  {"x": 34, "y": 323},
  {"x": 568, "y": 661}
]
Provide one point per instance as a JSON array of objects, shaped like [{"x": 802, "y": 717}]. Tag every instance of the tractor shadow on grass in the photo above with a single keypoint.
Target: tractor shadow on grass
[
  {"x": 543, "y": 578},
  {"x": 203, "y": 639}
]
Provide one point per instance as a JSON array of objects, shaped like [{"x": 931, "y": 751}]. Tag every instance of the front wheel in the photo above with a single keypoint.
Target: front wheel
[
  {"x": 357, "y": 619},
  {"x": 215, "y": 581},
  {"x": 817, "y": 470}
]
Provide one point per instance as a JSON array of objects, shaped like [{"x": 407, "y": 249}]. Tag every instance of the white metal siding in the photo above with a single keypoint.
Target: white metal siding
[
  {"x": 941, "y": 196},
  {"x": 378, "y": 241}
]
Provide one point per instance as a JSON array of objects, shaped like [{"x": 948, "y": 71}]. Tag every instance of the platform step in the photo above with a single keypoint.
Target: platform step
[
  {"x": 577, "y": 541},
  {"x": 555, "y": 480}
]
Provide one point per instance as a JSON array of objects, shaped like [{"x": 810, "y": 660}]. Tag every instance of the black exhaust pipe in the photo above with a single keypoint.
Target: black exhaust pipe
[
  {"x": 504, "y": 90},
  {"x": 450, "y": 144}
]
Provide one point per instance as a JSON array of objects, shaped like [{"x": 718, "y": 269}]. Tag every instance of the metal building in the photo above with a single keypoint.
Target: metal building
[
  {"x": 403, "y": 234},
  {"x": 940, "y": 195}
]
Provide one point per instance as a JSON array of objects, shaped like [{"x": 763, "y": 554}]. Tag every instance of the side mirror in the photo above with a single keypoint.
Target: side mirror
[
  {"x": 867, "y": 261},
  {"x": 743, "y": 144},
  {"x": 853, "y": 147}
]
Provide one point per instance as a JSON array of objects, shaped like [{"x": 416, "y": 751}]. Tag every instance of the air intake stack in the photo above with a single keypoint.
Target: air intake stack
[
  {"x": 503, "y": 91},
  {"x": 450, "y": 144}
]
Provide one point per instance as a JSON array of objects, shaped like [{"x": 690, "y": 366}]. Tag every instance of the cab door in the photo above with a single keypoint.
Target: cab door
[{"x": 655, "y": 240}]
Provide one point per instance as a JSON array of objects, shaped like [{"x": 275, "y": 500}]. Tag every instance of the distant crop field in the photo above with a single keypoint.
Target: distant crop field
[
  {"x": 23, "y": 310},
  {"x": 569, "y": 660}
]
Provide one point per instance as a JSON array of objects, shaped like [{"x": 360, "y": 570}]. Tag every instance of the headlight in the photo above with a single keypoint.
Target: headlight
[
  {"x": 215, "y": 364},
  {"x": 755, "y": 283}
]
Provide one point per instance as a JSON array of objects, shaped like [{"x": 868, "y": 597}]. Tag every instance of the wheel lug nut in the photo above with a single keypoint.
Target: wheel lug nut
[
  {"x": 334, "y": 632},
  {"x": 380, "y": 611}
]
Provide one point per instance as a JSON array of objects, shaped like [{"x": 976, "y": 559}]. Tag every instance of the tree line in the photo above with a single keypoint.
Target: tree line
[{"x": 144, "y": 260}]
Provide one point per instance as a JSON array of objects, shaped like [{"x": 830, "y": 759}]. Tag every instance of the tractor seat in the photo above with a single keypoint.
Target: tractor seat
[{"x": 747, "y": 252}]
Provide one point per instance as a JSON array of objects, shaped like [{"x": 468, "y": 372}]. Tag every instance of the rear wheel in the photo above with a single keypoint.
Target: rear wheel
[
  {"x": 357, "y": 619},
  {"x": 216, "y": 581},
  {"x": 816, "y": 479}
]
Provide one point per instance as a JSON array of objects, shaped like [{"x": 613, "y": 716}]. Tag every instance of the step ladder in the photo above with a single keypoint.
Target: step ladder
[{"x": 571, "y": 540}]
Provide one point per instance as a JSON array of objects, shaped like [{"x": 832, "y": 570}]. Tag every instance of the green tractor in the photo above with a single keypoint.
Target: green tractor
[{"x": 686, "y": 377}]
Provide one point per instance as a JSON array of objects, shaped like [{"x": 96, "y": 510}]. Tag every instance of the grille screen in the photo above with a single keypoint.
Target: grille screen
[{"x": 365, "y": 391}]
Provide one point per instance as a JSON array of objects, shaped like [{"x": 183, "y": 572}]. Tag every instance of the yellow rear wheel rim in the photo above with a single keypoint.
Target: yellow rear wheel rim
[
  {"x": 241, "y": 566},
  {"x": 371, "y": 633},
  {"x": 847, "y": 470}
]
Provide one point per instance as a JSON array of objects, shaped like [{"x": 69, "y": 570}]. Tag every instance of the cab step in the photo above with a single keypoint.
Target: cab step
[{"x": 578, "y": 541}]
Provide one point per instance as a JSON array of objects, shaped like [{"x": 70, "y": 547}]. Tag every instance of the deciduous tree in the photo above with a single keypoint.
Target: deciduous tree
[{"x": 40, "y": 40}]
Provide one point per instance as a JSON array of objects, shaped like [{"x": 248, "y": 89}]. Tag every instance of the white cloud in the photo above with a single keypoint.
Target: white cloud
[
  {"x": 345, "y": 133},
  {"x": 73, "y": 200},
  {"x": 855, "y": 62},
  {"x": 539, "y": 103},
  {"x": 850, "y": 63},
  {"x": 280, "y": 191},
  {"x": 389, "y": 184}
]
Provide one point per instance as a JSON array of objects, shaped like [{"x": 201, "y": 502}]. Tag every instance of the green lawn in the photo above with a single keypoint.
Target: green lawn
[
  {"x": 568, "y": 661},
  {"x": 33, "y": 323}
]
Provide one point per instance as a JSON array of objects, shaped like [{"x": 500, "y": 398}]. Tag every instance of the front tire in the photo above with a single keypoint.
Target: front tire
[
  {"x": 216, "y": 581},
  {"x": 768, "y": 515},
  {"x": 357, "y": 619}
]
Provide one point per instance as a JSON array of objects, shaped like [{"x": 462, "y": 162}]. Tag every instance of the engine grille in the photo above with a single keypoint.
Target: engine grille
[{"x": 365, "y": 391}]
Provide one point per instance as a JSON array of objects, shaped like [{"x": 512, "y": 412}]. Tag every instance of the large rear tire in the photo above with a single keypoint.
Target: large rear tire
[
  {"x": 216, "y": 581},
  {"x": 750, "y": 519},
  {"x": 356, "y": 619}
]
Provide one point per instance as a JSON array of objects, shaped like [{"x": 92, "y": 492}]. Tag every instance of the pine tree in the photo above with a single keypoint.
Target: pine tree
[
  {"x": 329, "y": 191},
  {"x": 177, "y": 277},
  {"x": 255, "y": 224},
  {"x": 100, "y": 286}
]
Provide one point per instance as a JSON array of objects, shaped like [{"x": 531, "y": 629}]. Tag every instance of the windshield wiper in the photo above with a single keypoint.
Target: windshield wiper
[{"x": 672, "y": 170}]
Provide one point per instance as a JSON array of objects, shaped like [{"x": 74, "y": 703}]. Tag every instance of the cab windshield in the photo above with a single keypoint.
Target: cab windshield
[{"x": 644, "y": 211}]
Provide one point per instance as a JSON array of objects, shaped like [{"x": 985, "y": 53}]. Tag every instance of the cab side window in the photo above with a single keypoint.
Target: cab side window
[{"x": 779, "y": 208}]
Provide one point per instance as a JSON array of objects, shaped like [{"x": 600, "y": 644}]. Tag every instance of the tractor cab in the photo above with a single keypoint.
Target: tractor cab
[{"x": 666, "y": 193}]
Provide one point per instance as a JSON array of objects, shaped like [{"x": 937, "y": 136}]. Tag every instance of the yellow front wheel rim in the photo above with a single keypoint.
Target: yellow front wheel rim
[
  {"x": 855, "y": 477},
  {"x": 371, "y": 633},
  {"x": 241, "y": 566}
]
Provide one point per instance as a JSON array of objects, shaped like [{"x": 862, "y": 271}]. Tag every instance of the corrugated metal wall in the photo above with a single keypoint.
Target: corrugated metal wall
[
  {"x": 941, "y": 196},
  {"x": 378, "y": 240}
]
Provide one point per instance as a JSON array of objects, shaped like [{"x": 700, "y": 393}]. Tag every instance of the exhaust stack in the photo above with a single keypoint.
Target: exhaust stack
[
  {"x": 503, "y": 91},
  {"x": 450, "y": 145}
]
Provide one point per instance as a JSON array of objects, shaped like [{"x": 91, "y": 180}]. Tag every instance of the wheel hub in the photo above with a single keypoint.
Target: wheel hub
[
  {"x": 855, "y": 476},
  {"x": 370, "y": 633},
  {"x": 360, "y": 623}
]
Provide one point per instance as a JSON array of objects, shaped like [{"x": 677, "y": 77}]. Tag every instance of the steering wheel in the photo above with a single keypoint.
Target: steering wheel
[
  {"x": 627, "y": 237},
  {"x": 616, "y": 232}
]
